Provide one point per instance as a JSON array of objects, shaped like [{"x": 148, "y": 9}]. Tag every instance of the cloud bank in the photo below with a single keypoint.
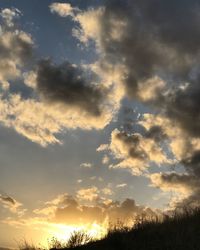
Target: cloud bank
[{"x": 66, "y": 209}]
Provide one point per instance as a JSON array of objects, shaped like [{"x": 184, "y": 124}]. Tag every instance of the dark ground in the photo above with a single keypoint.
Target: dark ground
[{"x": 182, "y": 232}]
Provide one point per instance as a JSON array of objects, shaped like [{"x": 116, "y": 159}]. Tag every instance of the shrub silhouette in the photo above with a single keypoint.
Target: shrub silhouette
[{"x": 78, "y": 238}]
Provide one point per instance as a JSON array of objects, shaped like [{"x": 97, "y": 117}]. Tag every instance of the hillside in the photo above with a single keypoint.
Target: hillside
[{"x": 181, "y": 232}]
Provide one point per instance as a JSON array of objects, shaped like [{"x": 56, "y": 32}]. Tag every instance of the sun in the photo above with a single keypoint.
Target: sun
[{"x": 63, "y": 232}]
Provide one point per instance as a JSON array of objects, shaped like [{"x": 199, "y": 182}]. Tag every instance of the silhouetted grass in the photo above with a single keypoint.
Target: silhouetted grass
[
  {"x": 77, "y": 238},
  {"x": 180, "y": 231},
  {"x": 25, "y": 245}
]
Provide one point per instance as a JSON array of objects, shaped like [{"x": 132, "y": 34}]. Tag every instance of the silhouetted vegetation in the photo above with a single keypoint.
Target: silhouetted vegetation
[
  {"x": 25, "y": 245},
  {"x": 77, "y": 238},
  {"x": 180, "y": 231}
]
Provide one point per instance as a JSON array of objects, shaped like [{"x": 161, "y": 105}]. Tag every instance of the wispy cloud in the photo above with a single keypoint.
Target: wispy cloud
[
  {"x": 122, "y": 185},
  {"x": 12, "y": 204},
  {"x": 63, "y": 9},
  {"x": 86, "y": 165}
]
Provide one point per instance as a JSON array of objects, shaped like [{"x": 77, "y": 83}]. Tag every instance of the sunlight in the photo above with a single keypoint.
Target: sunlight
[{"x": 62, "y": 232}]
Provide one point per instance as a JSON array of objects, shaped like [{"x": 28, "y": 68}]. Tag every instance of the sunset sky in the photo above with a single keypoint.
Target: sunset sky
[{"x": 99, "y": 114}]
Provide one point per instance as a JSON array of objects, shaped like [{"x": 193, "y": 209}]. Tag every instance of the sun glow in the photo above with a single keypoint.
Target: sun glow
[{"x": 63, "y": 232}]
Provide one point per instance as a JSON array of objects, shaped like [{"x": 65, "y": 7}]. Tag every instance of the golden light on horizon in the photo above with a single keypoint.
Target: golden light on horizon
[{"x": 62, "y": 232}]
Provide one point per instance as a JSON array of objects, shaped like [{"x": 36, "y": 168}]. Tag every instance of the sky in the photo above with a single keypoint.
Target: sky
[{"x": 99, "y": 114}]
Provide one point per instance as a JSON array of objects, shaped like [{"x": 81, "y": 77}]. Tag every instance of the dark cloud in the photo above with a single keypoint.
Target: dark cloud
[
  {"x": 157, "y": 37},
  {"x": 73, "y": 212},
  {"x": 8, "y": 200},
  {"x": 176, "y": 22},
  {"x": 79, "y": 214},
  {"x": 160, "y": 38},
  {"x": 125, "y": 211},
  {"x": 135, "y": 151},
  {"x": 192, "y": 165},
  {"x": 175, "y": 178},
  {"x": 183, "y": 107},
  {"x": 70, "y": 85},
  {"x": 132, "y": 142},
  {"x": 156, "y": 133},
  {"x": 11, "y": 204},
  {"x": 193, "y": 161},
  {"x": 186, "y": 184},
  {"x": 70, "y": 211}
]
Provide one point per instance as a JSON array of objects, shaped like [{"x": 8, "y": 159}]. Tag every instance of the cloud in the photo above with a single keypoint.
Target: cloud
[
  {"x": 72, "y": 87},
  {"x": 8, "y": 16},
  {"x": 182, "y": 106},
  {"x": 40, "y": 122},
  {"x": 11, "y": 204},
  {"x": 70, "y": 104},
  {"x": 147, "y": 45},
  {"x": 144, "y": 54},
  {"x": 103, "y": 147},
  {"x": 122, "y": 185},
  {"x": 136, "y": 151},
  {"x": 125, "y": 211},
  {"x": 185, "y": 187},
  {"x": 105, "y": 159},
  {"x": 160, "y": 61},
  {"x": 184, "y": 149},
  {"x": 184, "y": 146},
  {"x": 174, "y": 182},
  {"x": 90, "y": 26},
  {"x": 153, "y": 51},
  {"x": 163, "y": 142},
  {"x": 74, "y": 212},
  {"x": 150, "y": 89},
  {"x": 8, "y": 200},
  {"x": 63, "y": 9},
  {"x": 159, "y": 64},
  {"x": 29, "y": 118},
  {"x": 30, "y": 79},
  {"x": 107, "y": 191},
  {"x": 63, "y": 214},
  {"x": 88, "y": 194},
  {"x": 80, "y": 98},
  {"x": 162, "y": 128},
  {"x": 86, "y": 165},
  {"x": 96, "y": 178},
  {"x": 16, "y": 47}
]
